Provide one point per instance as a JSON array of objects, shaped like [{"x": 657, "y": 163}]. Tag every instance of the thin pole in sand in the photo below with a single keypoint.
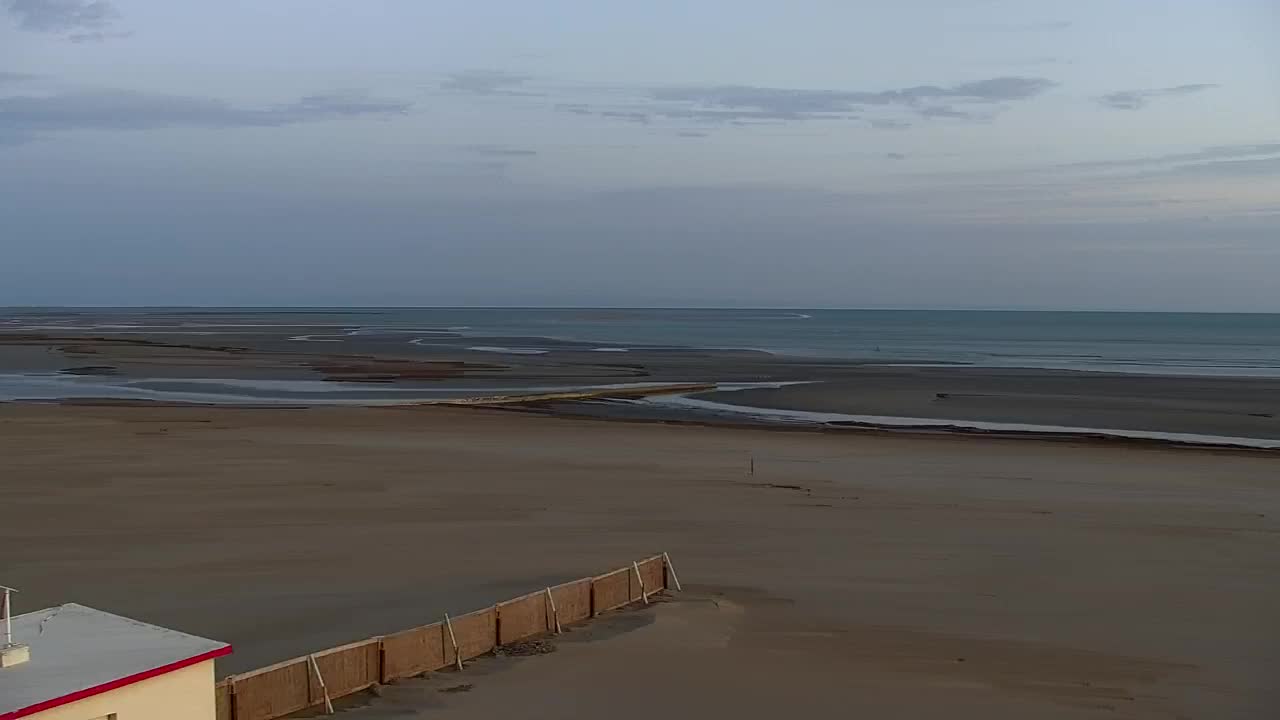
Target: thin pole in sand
[
  {"x": 453, "y": 639},
  {"x": 328, "y": 705},
  {"x": 751, "y": 465},
  {"x": 643, "y": 595},
  {"x": 554, "y": 613},
  {"x": 672, "y": 569},
  {"x": 8, "y": 619}
]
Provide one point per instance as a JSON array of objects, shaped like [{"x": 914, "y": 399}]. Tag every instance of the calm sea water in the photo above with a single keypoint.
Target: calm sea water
[{"x": 1169, "y": 343}]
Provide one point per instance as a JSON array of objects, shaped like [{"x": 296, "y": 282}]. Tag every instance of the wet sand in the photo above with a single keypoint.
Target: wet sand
[
  {"x": 889, "y": 576},
  {"x": 378, "y": 370},
  {"x": 1232, "y": 407}
]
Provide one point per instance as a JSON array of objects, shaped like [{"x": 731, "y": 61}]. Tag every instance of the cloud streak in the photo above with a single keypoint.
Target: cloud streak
[
  {"x": 1138, "y": 99},
  {"x": 1043, "y": 26},
  {"x": 97, "y": 36},
  {"x": 750, "y": 104},
  {"x": 23, "y": 118},
  {"x": 80, "y": 20},
  {"x": 486, "y": 82},
  {"x": 788, "y": 103},
  {"x": 1213, "y": 153},
  {"x": 1251, "y": 167},
  {"x": 13, "y": 77},
  {"x": 491, "y": 150}
]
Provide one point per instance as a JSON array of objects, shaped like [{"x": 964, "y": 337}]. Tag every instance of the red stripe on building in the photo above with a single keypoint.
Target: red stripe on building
[{"x": 114, "y": 684}]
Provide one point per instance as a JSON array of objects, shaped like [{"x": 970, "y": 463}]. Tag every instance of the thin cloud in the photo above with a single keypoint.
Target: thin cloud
[
  {"x": 575, "y": 108},
  {"x": 98, "y": 36},
  {"x": 945, "y": 111},
  {"x": 1213, "y": 153},
  {"x": 782, "y": 103},
  {"x": 1044, "y": 26},
  {"x": 23, "y": 118},
  {"x": 486, "y": 82},
  {"x": 641, "y": 118},
  {"x": 1234, "y": 168},
  {"x": 1138, "y": 99},
  {"x": 1024, "y": 62},
  {"x": 13, "y": 77},
  {"x": 491, "y": 150},
  {"x": 719, "y": 116},
  {"x": 13, "y": 138},
  {"x": 745, "y": 105},
  {"x": 81, "y": 20},
  {"x": 895, "y": 156}
]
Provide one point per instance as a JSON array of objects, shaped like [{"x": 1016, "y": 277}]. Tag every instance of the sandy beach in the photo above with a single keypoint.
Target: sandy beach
[{"x": 894, "y": 576}]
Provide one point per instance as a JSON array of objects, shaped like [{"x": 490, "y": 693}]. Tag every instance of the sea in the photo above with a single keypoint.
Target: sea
[{"x": 1216, "y": 344}]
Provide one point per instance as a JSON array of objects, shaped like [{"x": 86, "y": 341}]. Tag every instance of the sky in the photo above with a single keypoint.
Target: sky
[{"x": 1028, "y": 154}]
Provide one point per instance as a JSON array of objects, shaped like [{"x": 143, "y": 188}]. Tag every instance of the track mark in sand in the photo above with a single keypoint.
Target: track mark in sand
[
  {"x": 780, "y": 486},
  {"x": 464, "y": 687}
]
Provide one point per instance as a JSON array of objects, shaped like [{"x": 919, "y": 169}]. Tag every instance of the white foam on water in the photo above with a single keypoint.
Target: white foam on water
[
  {"x": 323, "y": 387},
  {"x": 431, "y": 341},
  {"x": 263, "y": 325},
  {"x": 97, "y": 331},
  {"x": 231, "y": 391},
  {"x": 894, "y": 422},
  {"x": 312, "y": 338},
  {"x": 507, "y": 351},
  {"x": 43, "y": 328},
  {"x": 449, "y": 331},
  {"x": 610, "y": 349}
]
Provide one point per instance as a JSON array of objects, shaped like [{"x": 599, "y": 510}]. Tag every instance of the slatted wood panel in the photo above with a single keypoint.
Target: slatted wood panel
[
  {"x": 612, "y": 590},
  {"x": 573, "y": 600},
  {"x": 523, "y": 617},
  {"x": 477, "y": 634},
  {"x": 222, "y": 700},
  {"x": 346, "y": 669},
  {"x": 652, "y": 572},
  {"x": 413, "y": 652},
  {"x": 272, "y": 692}
]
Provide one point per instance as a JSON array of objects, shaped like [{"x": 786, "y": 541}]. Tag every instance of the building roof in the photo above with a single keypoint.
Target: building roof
[{"x": 78, "y": 652}]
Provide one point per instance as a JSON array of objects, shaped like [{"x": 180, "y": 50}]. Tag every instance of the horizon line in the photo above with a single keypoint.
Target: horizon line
[{"x": 743, "y": 308}]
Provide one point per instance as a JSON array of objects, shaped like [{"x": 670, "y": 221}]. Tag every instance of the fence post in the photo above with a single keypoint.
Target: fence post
[
  {"x": 453, "y": 639},
  {"x": 231, "y": 698},
  {"x": 643, "y": 595},
  {"x": 382, "y": 662},
  {"x": 497, "y": 624},
  {"x": 671, "y": 570},
  {"x": 328, "y": 706},
  {"x": 555, "y": 614}
]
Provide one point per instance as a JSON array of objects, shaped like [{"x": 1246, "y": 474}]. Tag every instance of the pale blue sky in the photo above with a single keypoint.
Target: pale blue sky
[{"x": 942, "y": 153}]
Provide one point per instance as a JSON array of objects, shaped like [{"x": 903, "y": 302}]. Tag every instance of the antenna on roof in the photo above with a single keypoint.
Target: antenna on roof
[
  {"x": 11, "y": 653},
  {"x": 8, "y": 619}
]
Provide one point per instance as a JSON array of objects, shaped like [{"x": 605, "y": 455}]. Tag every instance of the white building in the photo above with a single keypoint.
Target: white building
[{"x": 85, "y": 664}]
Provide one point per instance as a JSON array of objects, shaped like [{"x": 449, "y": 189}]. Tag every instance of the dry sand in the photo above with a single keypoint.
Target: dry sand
[{"x": 887, "y": 577}]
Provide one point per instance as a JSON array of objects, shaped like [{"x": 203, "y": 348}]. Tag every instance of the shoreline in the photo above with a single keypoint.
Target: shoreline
[
  {"x": 926, "y": 429},
  {"x": 265, "y": 369},
  {"x": 744, "y": 418}
]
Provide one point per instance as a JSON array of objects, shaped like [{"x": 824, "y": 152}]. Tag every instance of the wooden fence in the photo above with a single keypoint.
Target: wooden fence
[{"x": 319, "y": 678}]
